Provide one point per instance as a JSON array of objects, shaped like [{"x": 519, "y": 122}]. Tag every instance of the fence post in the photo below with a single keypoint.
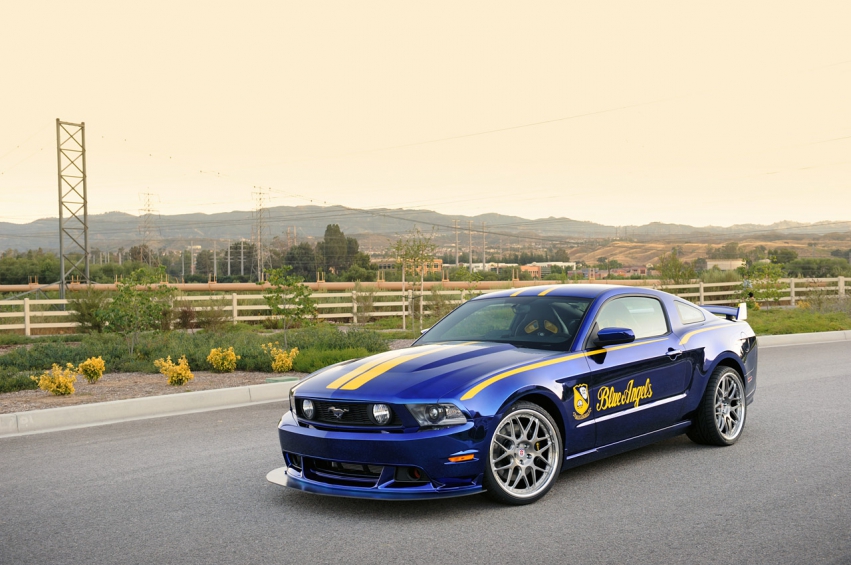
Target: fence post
[
  {"x": 233, "y": 307},
  {"x": 404, "y": 315},
  {"x": 700, "y": 292},
  {"x": 792, "y": 291},
  {"x": 841, "y": 286},
  {"x": 354, "y": 306},
  {"x": 27, "y": 330}
]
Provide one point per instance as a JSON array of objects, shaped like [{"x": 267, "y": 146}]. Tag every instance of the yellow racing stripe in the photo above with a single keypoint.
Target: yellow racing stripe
[
  {"x": 375, "y": 361},
  {"x": 486, "y": 383},
  {"x": 687, "y": 337},
  {"x": 378, "y": 370},
  {"x": 545, "y": 292}
]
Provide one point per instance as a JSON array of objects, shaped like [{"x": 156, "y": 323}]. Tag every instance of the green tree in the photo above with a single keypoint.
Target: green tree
[
  {"x": 333, "y": 250},
  {"x": 782, "y": 255},
  {"x": 302, "y": 259},
  {"x": 288, "y": 299},
  {"x": 762, "y": 283},
  {"x": 415, "y": 251},
  {"x": 140, "y": 304},
  {"x": 674, "y": 271}
]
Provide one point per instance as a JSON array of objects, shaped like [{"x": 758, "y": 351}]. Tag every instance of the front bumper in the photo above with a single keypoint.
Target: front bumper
[{"x": 327, "y": 462}]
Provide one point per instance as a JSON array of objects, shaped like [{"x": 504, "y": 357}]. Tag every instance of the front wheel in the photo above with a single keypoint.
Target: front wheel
[
  {"x": 524, "y": 457},
  {"x": 721, "y": 414}
]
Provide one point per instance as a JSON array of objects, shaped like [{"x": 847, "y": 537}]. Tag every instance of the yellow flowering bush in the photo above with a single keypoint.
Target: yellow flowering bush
[
  {"x": 177, "y": 374},
  {"x": 282, "y": 361},
  {"x": 58, "y": 381},
  {"x": 92, "y": 368},
  {"x": 223, "y": 360}
]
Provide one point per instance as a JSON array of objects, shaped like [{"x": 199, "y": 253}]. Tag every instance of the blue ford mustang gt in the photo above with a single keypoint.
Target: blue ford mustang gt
[{"x": 514, "y": 386}]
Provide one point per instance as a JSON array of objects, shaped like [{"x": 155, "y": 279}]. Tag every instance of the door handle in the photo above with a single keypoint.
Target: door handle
[{"x": 674, "y": 353}]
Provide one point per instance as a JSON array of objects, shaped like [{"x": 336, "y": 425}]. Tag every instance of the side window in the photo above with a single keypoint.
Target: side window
[
  {"x": 688, "y": 313},
  {"x": 644, "y": 316}
]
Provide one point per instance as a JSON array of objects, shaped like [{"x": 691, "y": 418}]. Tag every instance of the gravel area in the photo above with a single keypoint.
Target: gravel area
[{"x": 119, "y": 386}]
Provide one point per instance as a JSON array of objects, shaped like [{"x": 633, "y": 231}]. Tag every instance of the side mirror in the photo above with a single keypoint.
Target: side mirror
[
  {"x": 614, "y": 336},
  {"x": 422, "y": 332}
]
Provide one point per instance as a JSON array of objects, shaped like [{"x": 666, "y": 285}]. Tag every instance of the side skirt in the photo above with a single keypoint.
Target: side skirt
[{"x": 625, "y": 445}]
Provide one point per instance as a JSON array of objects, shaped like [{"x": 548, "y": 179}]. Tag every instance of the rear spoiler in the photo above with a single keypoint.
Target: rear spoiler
[{"x": 738, "y": 314}]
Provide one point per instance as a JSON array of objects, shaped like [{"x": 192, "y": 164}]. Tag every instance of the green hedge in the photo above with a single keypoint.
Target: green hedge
[{"x": 334, "y": 344}]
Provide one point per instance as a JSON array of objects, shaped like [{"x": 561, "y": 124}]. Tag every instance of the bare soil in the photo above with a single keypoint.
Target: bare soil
[{"x": 120, "y": 386}]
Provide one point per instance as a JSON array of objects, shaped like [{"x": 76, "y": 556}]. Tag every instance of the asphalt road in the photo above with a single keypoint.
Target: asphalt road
[{"x": 191, "y": 489}]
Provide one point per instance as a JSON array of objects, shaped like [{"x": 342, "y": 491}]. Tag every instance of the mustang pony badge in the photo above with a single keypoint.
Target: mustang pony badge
[{"x": 581, "y": 402}]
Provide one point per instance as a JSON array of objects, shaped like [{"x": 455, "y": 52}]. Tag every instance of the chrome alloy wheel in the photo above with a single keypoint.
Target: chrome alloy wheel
[
  {"x": 524, "y": 453},
  {"x": 729, "y": 407}
]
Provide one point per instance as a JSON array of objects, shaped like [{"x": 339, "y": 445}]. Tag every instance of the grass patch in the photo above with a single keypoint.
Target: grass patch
[
  {"x": 311, "y": 360},
  {"x": 779, "y": 321},
  {"x": 20, "y": 339}
]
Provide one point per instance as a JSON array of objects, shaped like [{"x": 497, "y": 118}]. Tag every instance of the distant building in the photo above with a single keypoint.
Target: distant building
[
  {"x": 725, "y": 264},
  {"x": 433, "y": 266},
  {"x": 546, "y": 268},
  {"x": 533, "y": 270}
]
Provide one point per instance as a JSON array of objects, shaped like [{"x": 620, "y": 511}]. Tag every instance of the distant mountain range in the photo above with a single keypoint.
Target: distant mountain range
[{"x": 113, "y": 230}]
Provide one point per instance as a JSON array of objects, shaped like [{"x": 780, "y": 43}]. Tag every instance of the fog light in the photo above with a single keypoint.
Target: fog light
[
  {"x": 381, "y": 414},
  {"x": 307, "y": 408}
]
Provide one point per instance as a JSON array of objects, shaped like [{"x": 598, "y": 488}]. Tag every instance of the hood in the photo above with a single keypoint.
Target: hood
[{"x": 426, "y": 372}]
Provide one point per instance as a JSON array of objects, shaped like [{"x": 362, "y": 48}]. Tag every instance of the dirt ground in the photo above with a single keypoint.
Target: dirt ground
[{"x": 120, "y": 386}]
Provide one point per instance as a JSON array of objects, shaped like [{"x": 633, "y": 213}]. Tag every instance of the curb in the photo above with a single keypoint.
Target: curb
[
  {"x": 803, "y": 339},
  {"x": 97, "y": 414}
]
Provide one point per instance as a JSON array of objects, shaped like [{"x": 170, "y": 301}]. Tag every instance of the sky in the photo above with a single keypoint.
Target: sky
[{"x": 622, "y": 113}]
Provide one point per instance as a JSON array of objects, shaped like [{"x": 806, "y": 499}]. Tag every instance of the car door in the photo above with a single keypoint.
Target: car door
[{"x": 636, "y": 387}]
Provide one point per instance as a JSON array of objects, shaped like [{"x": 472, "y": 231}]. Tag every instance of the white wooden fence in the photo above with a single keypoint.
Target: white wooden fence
[{"x": 358, "y": 306}]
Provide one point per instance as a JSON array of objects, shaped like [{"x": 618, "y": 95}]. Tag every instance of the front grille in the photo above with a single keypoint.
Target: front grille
[
  {"x": 350, "y": 474},
  {"x": 353, "y": 413}
]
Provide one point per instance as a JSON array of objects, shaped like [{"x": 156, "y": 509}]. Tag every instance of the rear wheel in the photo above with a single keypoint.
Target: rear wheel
[
  {"x": 524, "y": 457},
  {"x": 721, "y": 414}
]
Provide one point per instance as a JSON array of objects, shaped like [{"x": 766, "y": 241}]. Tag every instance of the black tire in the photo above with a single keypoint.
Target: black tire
[
  {"x": 720, "y": 417},
  {"x": 524, "y": 455}
]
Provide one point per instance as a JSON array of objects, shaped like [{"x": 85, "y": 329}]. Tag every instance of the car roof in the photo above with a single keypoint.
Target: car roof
[{"x": 591, "y": 291}]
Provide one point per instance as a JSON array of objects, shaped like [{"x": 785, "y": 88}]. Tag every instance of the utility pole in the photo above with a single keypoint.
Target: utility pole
[
  {"x": 215, "y": 261},
  {"x": 73, "y": 199},
  {"x": 484, "y": 245},
  {"x": 242, "y": 258},
  {"x": 191, "y": 257},
  {"x": 228, "y": 257},
  {"x": 470, "y": 228},
  {"x": 146, "y": 225},
  {"x": 259, "y": 229},
  {"x": 455, "y": 225}
]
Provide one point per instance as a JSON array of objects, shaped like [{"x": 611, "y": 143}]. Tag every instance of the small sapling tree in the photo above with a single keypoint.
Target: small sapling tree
[{"x": 288, "y": 299}]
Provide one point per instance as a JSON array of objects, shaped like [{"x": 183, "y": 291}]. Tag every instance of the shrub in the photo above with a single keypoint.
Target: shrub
[
  {"x": 213, "y": 317},
  {"x": 281, "y": 360},
  {"x": 314, "y": 359},
  {"x": 57, "y": 381},
  {"x": 88, "y": 309},
  {"x": 92, "y": 368},
  {"x": 177, "y": 374},
  {"x": 12, "y": 380},
  {"x": 223, "y": 360}
]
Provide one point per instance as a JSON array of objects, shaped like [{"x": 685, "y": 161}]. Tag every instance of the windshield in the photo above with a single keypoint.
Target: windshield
[{"x": 541, "y": 322}]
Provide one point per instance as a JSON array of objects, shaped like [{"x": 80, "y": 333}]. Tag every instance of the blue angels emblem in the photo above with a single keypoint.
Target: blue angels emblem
[{"x": 581, "y": 402}]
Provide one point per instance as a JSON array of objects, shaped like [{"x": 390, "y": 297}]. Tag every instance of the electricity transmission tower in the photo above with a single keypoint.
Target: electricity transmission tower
[
  {"x": 146, "y": 226},
  {"x": 73, "y": 203},
  {"x": 259, "y": 234}
]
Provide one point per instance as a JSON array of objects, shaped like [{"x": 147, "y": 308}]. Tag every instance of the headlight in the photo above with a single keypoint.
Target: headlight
[
  {"x": 307, "y": 408},
  {"x": 380, "y": 414},
  {"x": 429, "y": 415}
]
